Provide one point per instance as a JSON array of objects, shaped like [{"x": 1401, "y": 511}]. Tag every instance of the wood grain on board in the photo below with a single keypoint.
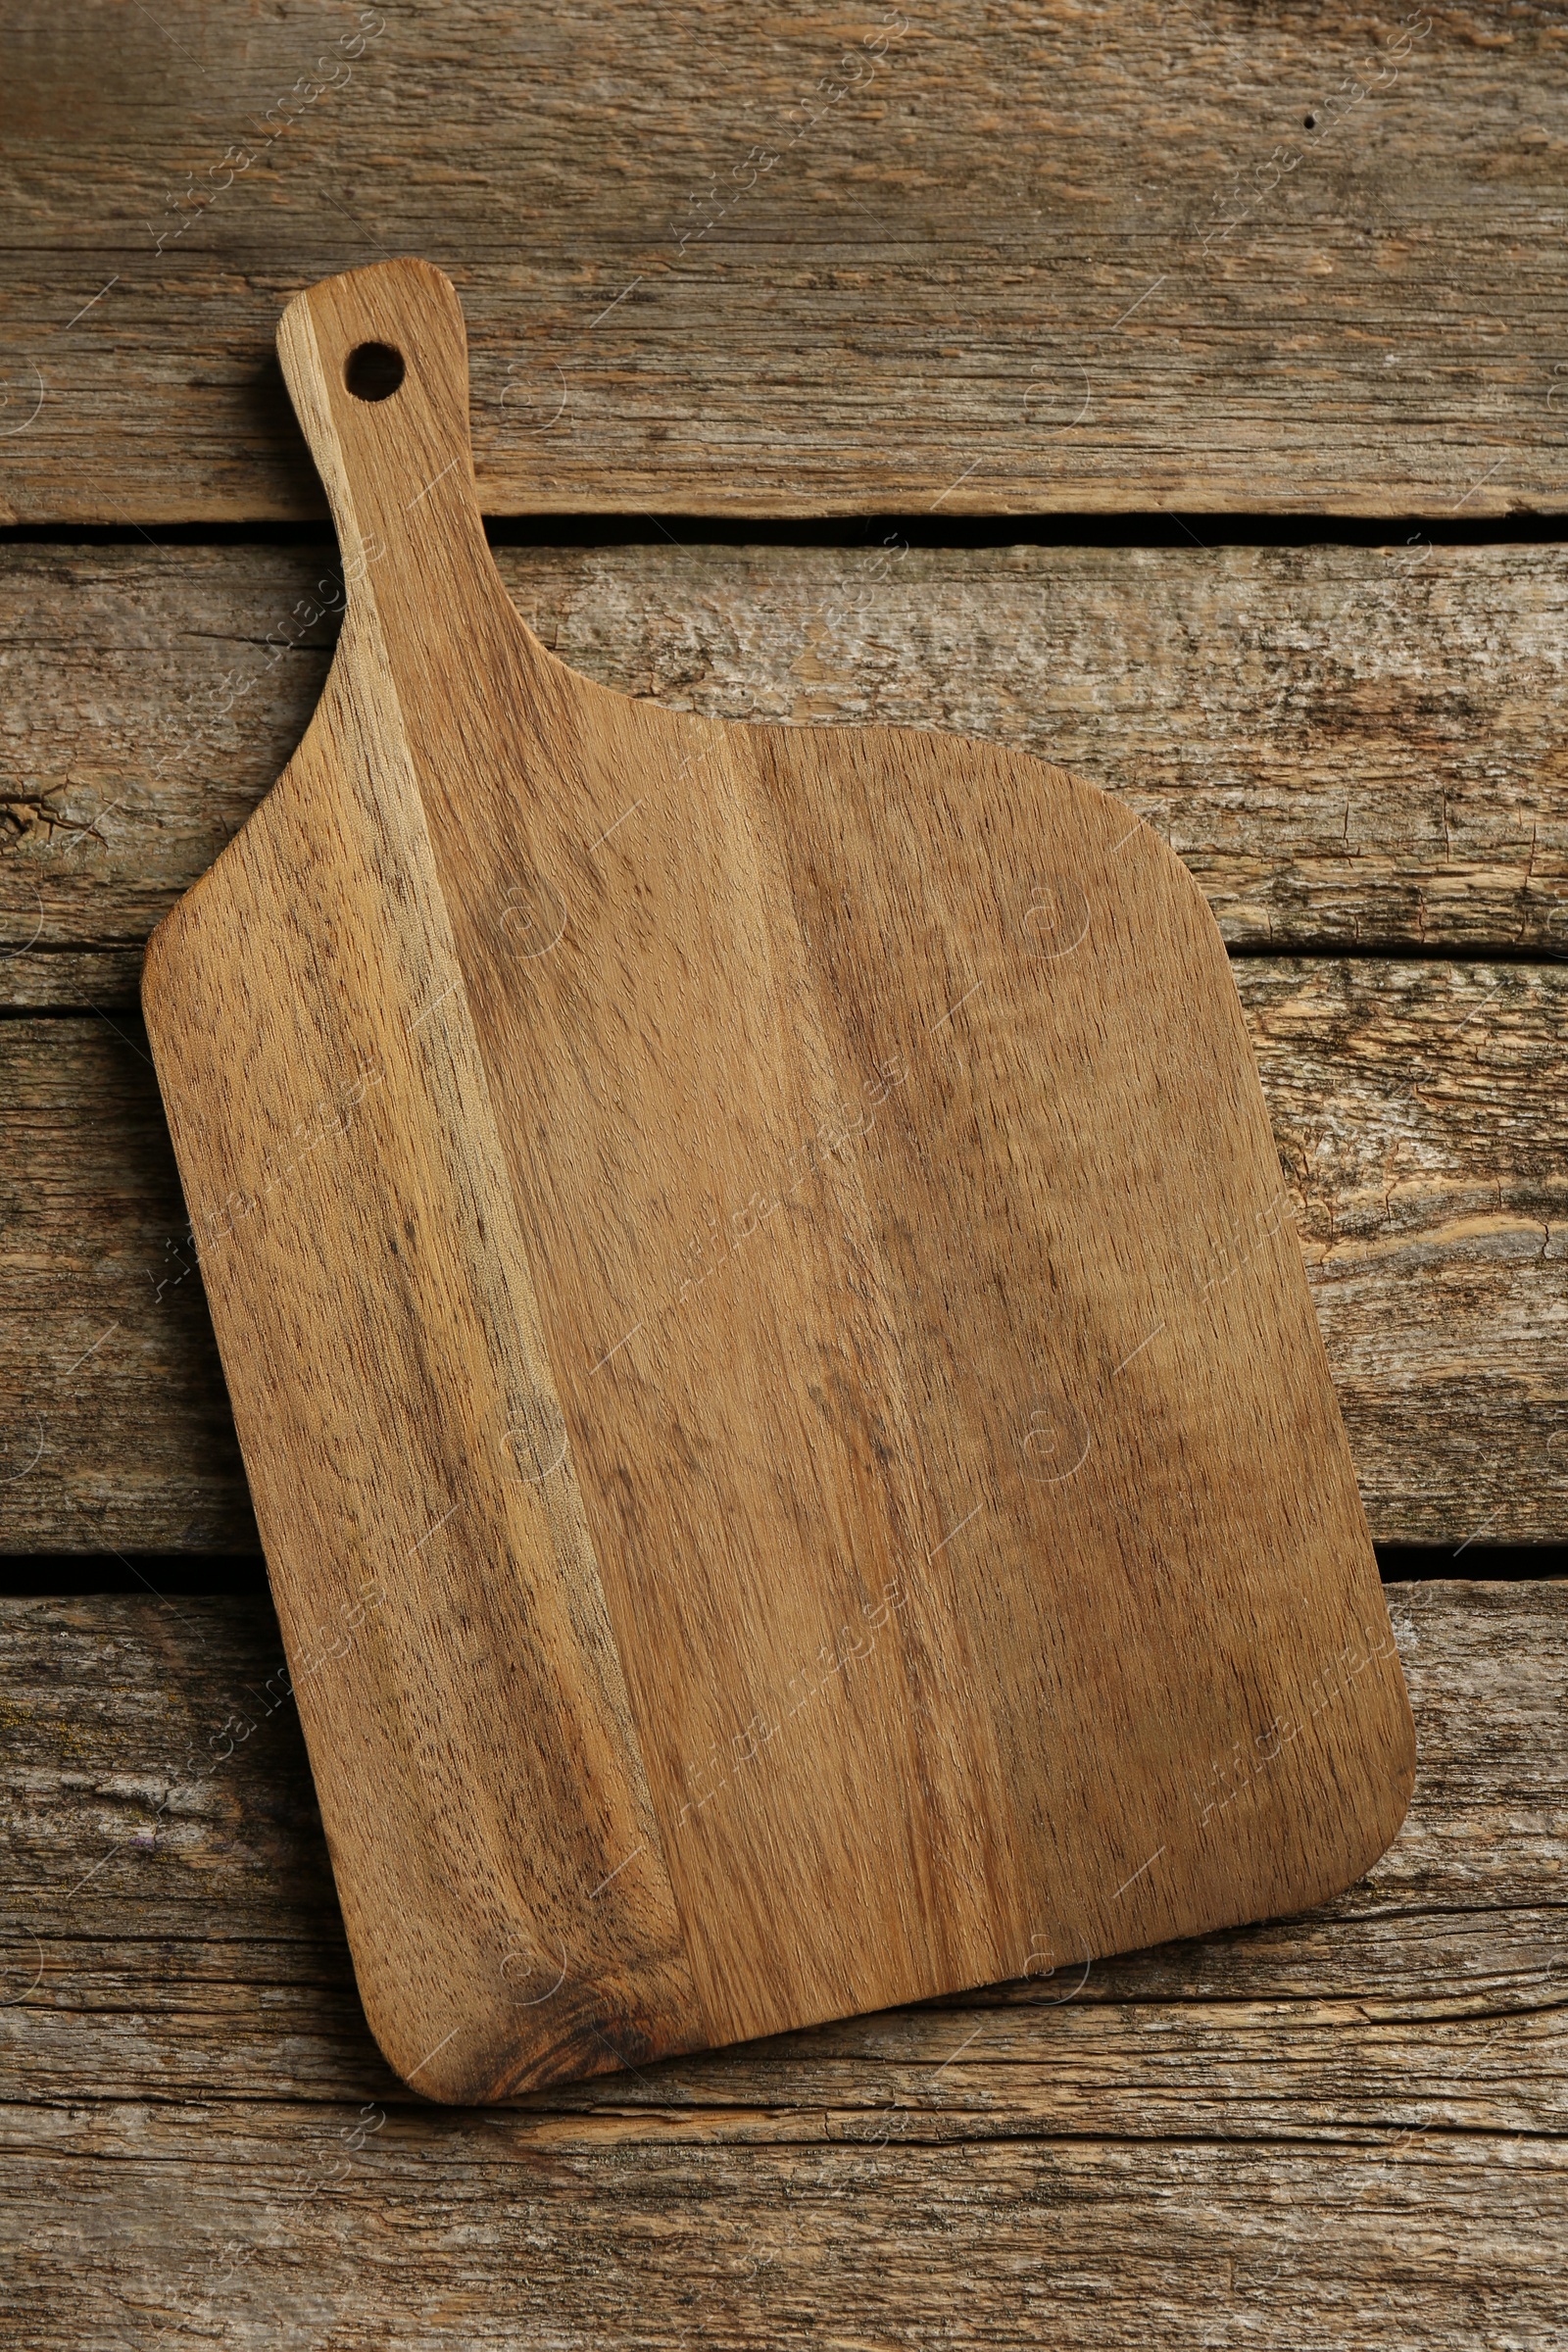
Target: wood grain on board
[
  {"x": 1347, "y": 747},
  {"x": 1416, "y": 1110},
  {"x": 1343, "y": 2127},
  {"x": 810, "y": 1222},
  {"x": 1067, "y": 259}
]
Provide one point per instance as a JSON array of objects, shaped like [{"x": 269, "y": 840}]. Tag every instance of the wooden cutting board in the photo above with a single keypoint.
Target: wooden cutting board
[{"x": 780, "y": 1394}]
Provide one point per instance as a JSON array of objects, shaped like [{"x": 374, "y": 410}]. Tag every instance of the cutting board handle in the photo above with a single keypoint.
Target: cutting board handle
[{"x": 377, "y": 364}]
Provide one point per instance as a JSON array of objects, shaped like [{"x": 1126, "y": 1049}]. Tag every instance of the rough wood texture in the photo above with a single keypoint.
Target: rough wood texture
[
  {"x": 1417, "y": 1112},
  {"x": 1150, "y": 256},
  {"x": 1347, "y": 747},
  {"x": 722, "y": 1236},
  {"x": 1346, "y": 2127},
  {"x": 115, "y": 1430}
]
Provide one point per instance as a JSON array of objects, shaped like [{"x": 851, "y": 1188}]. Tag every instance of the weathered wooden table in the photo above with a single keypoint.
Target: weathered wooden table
[{"x": 1165, "y": 389}]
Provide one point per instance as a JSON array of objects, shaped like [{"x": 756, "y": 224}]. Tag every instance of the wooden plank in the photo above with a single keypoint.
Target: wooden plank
[
  {"x": 889, "y": 262},
  {"x": 1342, "y": 2128},
  {"x": 1349, "y": 747},
  {"x": 230, "y": 2230},
  {"x": 116, "y": 1427},
  {"x": 1418, "y": 1111}
]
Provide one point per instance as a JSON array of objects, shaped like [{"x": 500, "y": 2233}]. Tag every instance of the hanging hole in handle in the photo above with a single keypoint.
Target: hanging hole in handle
[{"x": 374, "y": 371}]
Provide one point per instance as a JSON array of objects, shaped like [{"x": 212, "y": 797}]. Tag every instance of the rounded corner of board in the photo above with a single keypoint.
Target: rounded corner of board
[
  {"x": 1385, "y": 1806},
  {"x": 480, "y": 2066}
]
